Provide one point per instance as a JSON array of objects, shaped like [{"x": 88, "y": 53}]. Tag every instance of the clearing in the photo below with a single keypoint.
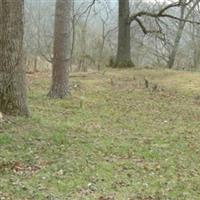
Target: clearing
[{"x": 113, "y": 138}]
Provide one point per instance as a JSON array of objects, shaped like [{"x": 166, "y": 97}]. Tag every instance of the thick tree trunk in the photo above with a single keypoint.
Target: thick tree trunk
[
  {"x": 62, "y": 50},
  {"x": 123, "y": 58},
  {"x": 12, "y": 72}
]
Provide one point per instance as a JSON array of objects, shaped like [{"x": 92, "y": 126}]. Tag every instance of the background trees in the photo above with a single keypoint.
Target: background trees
[
  {"x": 12, "y": 75},
  {"x": 157, "y": 13},
  {"x": 184, "y": 15},
  {"x": 153, "y": 29}
]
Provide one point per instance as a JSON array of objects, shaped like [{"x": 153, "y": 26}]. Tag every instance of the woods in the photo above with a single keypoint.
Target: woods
[{"x": 99, "y": 99}]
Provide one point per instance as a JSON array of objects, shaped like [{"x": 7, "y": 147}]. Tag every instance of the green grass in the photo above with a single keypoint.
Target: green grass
[{"x": 111, "y": 139}]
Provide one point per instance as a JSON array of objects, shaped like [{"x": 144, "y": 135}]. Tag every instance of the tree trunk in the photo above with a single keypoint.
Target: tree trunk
[
  {"x": 82, "y": 65},
  {"x": 196, "y": 43},
  {"x": 123, "y": 58},
  {"x": 62, "y": 50},
  {"x": 173, "y": 53},
  {"x": 196, "y": 59},
  {"x": 12, "y": 75},
  {"x": 35, "y": 64}
]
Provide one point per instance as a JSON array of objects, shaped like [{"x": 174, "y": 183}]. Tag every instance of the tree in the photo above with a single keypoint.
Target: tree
[
  {"x": 61, "y": 50},
  {"x": 195, "y": 40},
  {"x": 12, "y": 76},
  {"x": 183, "y": 18},
  {"x": 123, "y": 58}
]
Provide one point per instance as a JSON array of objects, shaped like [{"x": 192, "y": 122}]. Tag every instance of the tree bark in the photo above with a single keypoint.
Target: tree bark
[
  {"x": 123, "y": 58},
  {"x": 12, "y": 72},
  {"x": 177, "y": 40},
  {"x": 62, "y": 50}
]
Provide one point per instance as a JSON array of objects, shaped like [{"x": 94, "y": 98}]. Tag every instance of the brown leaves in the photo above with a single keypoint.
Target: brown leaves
[
  {"x": 4, "y": 196},
  {"x": 106, "y": 197},
  {"x": 21, "y": 168}
]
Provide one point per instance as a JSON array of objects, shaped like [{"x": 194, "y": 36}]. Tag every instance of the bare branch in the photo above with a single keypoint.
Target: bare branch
[
  {"x": 162, "y": 14},
  {"x": 145, "y": 31}
]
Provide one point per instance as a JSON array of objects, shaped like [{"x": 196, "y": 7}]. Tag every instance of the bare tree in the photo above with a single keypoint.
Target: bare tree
[
  {"x": 183, "y": 18},
  {"x": 61, "y": 50},
  {"x": 123, "y": 58},
  {"x": 38, "y": 33},
  {"x": 12, "y": 76}
]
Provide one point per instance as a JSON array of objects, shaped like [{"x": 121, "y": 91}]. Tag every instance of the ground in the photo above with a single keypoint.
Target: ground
[{"x": 122, "y": 134}]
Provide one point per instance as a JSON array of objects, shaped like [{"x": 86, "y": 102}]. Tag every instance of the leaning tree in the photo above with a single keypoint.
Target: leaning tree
[{"x": 12, "y": 72}]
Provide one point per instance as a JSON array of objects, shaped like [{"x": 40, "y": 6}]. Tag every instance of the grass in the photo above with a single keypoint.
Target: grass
[{"x": 111, "y": 139}]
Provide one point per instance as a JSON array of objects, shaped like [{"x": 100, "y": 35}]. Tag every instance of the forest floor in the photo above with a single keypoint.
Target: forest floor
[{"x": 114, "y": 138}]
